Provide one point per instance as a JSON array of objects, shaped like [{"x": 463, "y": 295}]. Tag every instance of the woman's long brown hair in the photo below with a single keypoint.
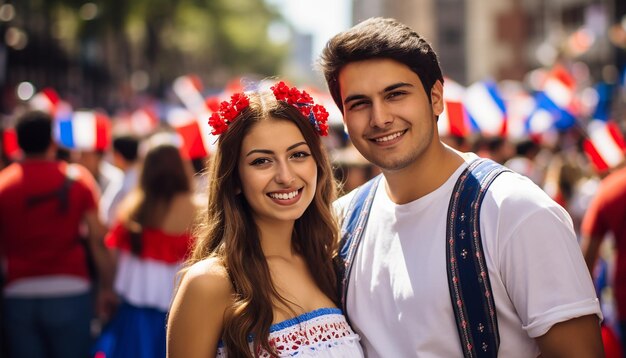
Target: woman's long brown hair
[
  {"x": 163, "y": 176},
  {"x": 228, "y": 231}
]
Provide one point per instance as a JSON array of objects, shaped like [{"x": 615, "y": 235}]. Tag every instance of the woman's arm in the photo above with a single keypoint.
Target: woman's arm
[{"x": 196, "y": 317}]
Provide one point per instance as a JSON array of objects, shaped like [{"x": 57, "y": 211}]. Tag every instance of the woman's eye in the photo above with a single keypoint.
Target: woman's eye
[
  {"x": 300, "y": 155},
  {"x": 260, "y": 161}
]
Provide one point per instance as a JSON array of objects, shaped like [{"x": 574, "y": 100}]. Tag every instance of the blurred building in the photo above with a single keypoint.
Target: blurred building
[{"x": 504, "y": 39}]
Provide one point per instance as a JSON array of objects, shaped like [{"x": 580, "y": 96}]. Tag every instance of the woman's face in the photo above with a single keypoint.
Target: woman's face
[{"x": 277, "y": 171}]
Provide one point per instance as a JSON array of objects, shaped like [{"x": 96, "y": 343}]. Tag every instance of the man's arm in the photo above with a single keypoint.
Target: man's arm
[
  {"x": 578, "y": 337},
  {"x": 590, "y": 246},
  {"x": 104, "y": 263}
]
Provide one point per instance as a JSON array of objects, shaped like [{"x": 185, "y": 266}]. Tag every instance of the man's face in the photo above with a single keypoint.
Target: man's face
[{"x": 387, "y": 112}]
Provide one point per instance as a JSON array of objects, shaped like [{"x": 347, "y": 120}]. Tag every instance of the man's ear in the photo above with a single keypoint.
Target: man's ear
[{"x": 436, "y": 98}]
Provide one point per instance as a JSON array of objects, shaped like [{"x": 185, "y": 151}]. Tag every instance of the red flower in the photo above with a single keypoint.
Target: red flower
[
  {"x": 281, "y": 91},
  {"x": 228, "y": 112},
  {"x": 304, "y": 103},
  {"x": 305, "y": 98},
  {"x": 217, "y": 123}
]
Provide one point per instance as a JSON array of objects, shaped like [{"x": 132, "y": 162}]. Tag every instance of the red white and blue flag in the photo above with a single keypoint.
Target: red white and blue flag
[
  {"x": 557, "y": 105},
  {"x": 485, "y": 108},
  {"x": 84, "y": 130},
  {"x": 605, "y": 145},
  {"x": 453, "y": 120}
]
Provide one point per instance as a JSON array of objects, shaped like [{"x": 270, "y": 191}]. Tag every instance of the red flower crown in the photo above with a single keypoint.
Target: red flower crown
[{"x": 228, "y": 111}]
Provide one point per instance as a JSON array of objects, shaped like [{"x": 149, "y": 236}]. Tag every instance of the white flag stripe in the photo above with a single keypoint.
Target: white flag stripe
[
  {"x": 540, "y": 121},
  {"x": 190, "y": 96},
  {"x": 605, "y": 144},
  {"x": 482, "y": 107},
  {"x": 84, "y": 129},
  {"x": 41, "y": 102},
  {"x": 558, "y": 92},
  {"x": 179, "y": 117}
]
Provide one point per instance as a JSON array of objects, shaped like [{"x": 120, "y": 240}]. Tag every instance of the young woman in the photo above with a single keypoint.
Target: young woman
[
  {"x": 150, "y": 240},
  {"x": 261, "y": 279}
]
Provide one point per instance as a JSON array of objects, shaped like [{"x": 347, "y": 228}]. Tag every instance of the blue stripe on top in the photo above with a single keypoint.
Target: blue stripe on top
[
  {"x": 303, "y": 317},
  {"x": 296, "y": 320}
]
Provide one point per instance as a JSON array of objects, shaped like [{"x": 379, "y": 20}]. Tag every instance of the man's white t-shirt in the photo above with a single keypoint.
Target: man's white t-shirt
[{"x": 398, "y": 299}]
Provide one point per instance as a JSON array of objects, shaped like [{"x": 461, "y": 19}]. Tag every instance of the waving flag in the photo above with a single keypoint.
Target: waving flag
[
  {"x": 519, "y": 106},
  {"x": 189, "y": 91},
  {"x": 186, "y": 125},
  {"x": 556, "y": 102},
  {"x": 84, "y": 130},
  {"x": 605, "y": 146},
  {"x": 453, "y": 120},
  {"x": 485, "y": 108},
  {"x": 47, "y": 101}
]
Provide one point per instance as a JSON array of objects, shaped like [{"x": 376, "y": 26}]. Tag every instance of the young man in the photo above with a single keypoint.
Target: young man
[
  {"x": 47, "y": 287},
  {"x": 387, "y": 82}
]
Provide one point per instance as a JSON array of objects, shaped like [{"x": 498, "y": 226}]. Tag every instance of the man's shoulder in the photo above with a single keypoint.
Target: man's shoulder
[{"x": 344, "y": 201}]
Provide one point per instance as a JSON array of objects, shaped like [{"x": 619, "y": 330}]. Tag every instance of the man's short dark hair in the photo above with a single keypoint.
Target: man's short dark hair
[
  {"x": 379, "y": 38},
  {"x": 127, "y": 146},
  {"x": 34, "y": 132}
]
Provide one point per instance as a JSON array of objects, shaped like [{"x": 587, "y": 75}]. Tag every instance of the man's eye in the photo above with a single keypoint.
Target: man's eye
[
  {"x": 358, "y": 104},
  {"x": 395, "y": 94}
]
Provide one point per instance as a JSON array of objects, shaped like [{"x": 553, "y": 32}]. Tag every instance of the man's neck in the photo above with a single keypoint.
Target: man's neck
[{"x": 423, "y": 176}]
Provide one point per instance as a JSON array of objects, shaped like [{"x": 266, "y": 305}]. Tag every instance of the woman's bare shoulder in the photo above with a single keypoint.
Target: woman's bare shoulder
[{"x": 208, "y": 277}]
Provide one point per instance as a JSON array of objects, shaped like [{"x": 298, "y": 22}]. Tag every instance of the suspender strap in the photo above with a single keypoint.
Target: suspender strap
[
  {"x": 352, "y": 231},
  {"x": 468, "y": 279}
]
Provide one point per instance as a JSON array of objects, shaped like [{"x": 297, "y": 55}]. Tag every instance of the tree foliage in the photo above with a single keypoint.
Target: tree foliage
[{"x": 215, "y": 39}]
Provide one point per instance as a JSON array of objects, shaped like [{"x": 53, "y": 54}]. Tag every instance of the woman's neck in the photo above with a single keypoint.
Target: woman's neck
[{"x": 276, "y": 238}]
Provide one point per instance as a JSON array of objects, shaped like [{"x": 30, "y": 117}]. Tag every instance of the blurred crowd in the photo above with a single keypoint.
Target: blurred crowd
[{"x": 148, "y": 164}]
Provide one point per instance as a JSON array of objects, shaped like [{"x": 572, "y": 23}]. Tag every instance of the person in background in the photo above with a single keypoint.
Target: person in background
[
  {"x": 605, "y": 216},
  {"x": 150, "y": 238},
  {"x": 260, "y": 281},
  {"x": 126, "y": 158},
  {"x": 48, "y": 301},
  {"x": 399, "y": 287}
]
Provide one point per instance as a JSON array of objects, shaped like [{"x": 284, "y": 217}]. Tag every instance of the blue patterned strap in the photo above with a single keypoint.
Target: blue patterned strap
[
  {"x": 468, "y": 280},
  {"x": 352, "y": 230}
]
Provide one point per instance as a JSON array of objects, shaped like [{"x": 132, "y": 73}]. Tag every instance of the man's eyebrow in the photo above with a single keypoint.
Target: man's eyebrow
[
  {"x": 396, "y": 86},
  {"x": 270, "y": 152},
  {"x": 386, "y": 89}
]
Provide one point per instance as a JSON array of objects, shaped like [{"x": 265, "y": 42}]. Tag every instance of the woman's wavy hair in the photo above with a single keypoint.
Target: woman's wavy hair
[{"x": 227, "y": 230}]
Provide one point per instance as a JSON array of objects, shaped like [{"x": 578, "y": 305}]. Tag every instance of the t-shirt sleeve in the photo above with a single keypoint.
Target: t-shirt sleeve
[{"x": 544, "y": 272}]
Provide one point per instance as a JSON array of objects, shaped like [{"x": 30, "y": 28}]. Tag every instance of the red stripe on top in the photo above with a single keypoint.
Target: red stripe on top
[
  {"x": 595, "y": 157},
  {"x": 156, "y": 244},
  {"x": 617, "y": 135}
]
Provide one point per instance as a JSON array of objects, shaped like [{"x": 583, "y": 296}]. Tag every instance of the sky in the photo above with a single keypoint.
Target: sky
[{"x": 321, "y": 18}]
